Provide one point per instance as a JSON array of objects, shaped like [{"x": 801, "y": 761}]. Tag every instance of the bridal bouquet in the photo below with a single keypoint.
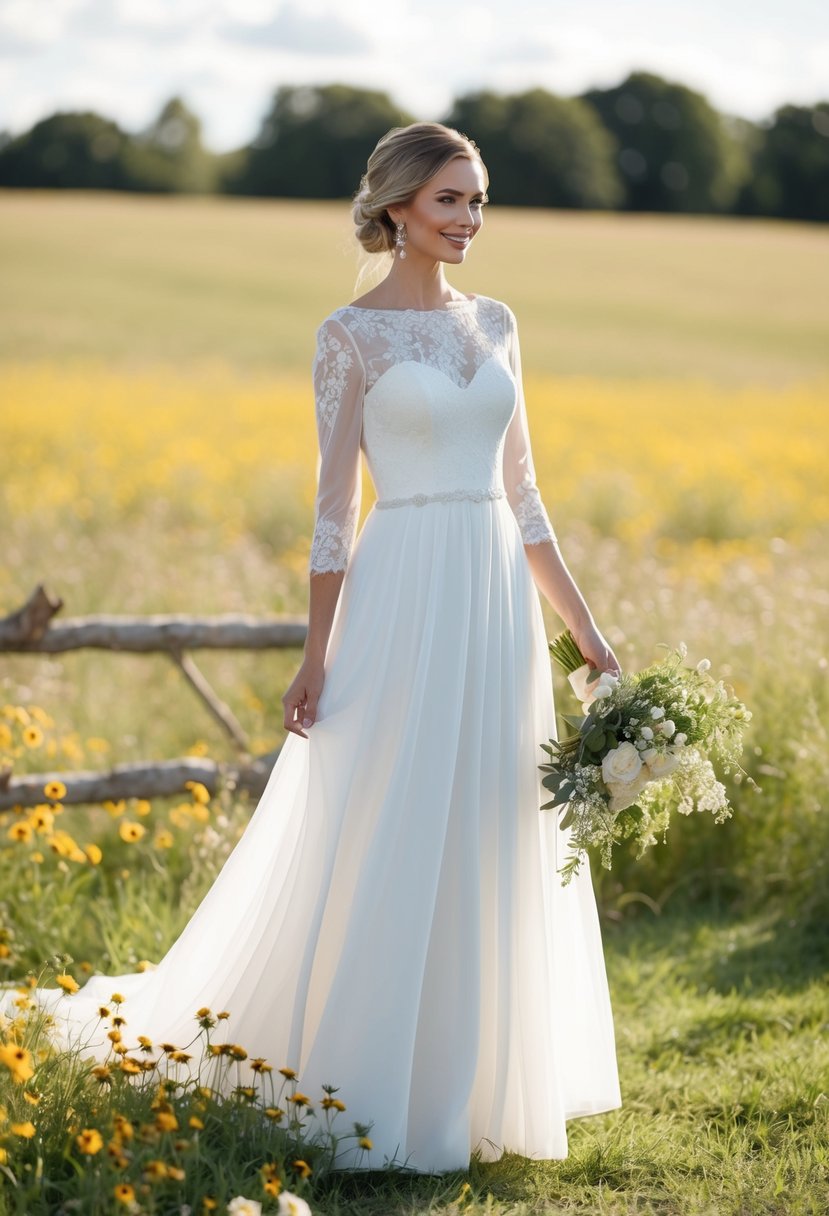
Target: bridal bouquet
[{"x": 643, "y": 748}]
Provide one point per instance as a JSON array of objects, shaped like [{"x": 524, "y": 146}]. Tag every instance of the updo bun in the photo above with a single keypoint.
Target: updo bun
[
  {"x": 403, "y": 161},
  {"x": 374, "y": 229}
]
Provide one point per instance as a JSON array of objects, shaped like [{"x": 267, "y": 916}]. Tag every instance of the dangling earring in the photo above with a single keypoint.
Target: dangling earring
[{"x": 400, "y": 241}]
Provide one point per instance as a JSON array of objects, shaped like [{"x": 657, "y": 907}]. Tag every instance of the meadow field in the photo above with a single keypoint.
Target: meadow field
[{"x": 157, "y": 454}]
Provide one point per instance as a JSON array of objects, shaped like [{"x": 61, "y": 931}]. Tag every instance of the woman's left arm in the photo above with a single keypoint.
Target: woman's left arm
[{"x": 548, "y": 567}]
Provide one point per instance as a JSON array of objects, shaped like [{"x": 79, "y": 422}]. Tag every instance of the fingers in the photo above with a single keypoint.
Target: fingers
[{"x": 300, "y": 711}]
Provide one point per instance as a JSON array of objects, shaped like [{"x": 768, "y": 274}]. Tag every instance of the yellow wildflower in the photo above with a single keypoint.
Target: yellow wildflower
[
  {"x": 26, "y": 1130},
  {"x": 176, "y": 1172},
  {"x": 115, "y": 808},
  {"x": 18, "y": 1060},
  {"x": 289, "y": 1073},
  {"x": 142, "y": 807},
  {"x": 272, "y": 1187},
  {"x": 67, "y": 983},
  {"x": 163, "y": 839},
  {"x": 303, "y": 1168},
  {"x": 89, "y": 1141},
  {"x": 54, "y": 790},
  {"x": 22, "y": 831},
  {"x": 94, "y": 853},
  {"x": 365, "y": 1143},
  {"x": 32, "y": 736},
  {"x": 166, "y": 1121},
  {"x": 117, "y": 999},
  {"x": 32, "y": 1096},
  {"x": 195, "y": 1122},
  {"x": 198, "y": 791},
  {"x": 261, "y": 1065},
  {"x": 130, "y": 1066},
  {"x": 124, "y": 1193},
  {"x": 274, "y": 1113},
  {"x": 155, "y": 1169},
  {"x": 131, "y": 831}
]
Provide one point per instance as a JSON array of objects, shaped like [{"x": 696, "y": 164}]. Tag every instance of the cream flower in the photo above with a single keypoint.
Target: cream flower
[
  {"x": 244, "y": 1207},
  {"x": 292, "y": 1205},
  {"x": 621, "y": 764},
  {"x": 662, "y": 764}
]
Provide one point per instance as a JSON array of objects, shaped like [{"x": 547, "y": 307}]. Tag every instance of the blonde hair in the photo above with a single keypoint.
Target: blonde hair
[{"x": 403, "y": 161}]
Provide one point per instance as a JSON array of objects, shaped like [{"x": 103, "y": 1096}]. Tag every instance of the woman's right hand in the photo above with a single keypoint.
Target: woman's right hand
[{"x": 300, "y": 701}]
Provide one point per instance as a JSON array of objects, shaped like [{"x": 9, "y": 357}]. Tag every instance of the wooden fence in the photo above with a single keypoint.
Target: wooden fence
[{"x": 32, "y": 629}]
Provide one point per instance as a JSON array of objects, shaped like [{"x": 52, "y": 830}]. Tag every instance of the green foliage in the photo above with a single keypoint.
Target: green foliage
[
  {"x": 314, "y": 141},
  {"x": 674, "y": 151},
  {"x": 541, "y": 150}
]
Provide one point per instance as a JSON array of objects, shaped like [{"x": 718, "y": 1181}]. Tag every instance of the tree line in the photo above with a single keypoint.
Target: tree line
[{"x": 647, "y": 144}]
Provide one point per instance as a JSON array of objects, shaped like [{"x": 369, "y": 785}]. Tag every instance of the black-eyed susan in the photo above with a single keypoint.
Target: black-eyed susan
[
  {"x": 119, "y": 1020},
  {"x": 272, "y": 1187},
  {"x": 18, "y": 1060},
  {"x": 124, "y": 1193},
  {"x": 117, "y": 998},
  {"x": 261, "y": 1065},
  {"x": 155, "y": 1169},
  {"x": 180, "y": 1057},
  {"x": 299, "y": 1099},
  {"x": 163, "y": 839},
  {"x": 26, "y": 1129},
  {"x": 166, "y": 1121},
  {"x": 144, "y": 1043},
  {"x": 130, "y": 831},
  {"x": 90, "y": 1141},
  {"x": 142, "y": 807},
  {"x": 32, "y": 735},
  {"x": 94, "y": 854},
  {"x": 115, "y": 808},
  {"x": 54, "y": 790},
  {"x": 22, "y": 831},
  {"x": 274, "y": 1113},
  {"x": 131, "y": 1067},
  {"x": 32, "y": 1097},
  {"x": 302, "y": 1168},
  {"x": 67, "y": 982}
]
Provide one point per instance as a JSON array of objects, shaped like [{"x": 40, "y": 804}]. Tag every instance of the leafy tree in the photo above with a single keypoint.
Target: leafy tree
[
  {"x": 540, "y": 150},
  {"x": 675, "y": 151},
  {"x": 315, "y": 140},
  {"x": 169, "y": 155},
  {"x": 67, "y": 149},
  {"x": 790, "y": 170}
]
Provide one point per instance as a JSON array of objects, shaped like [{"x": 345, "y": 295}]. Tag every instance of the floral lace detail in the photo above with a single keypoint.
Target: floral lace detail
[
  {"x": 332, "y": 543},
  {"x": 532, "y": 517},
  {"x": 420, "y": 500},
  {"x": 333, "y": 361},
  {"x": 455, "y": 341}
]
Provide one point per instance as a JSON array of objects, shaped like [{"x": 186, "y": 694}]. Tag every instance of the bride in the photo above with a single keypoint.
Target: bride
[{"x": 391, "y": 921}]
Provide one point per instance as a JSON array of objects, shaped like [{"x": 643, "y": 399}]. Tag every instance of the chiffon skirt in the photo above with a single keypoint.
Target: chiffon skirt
[{"x": 391, "y": 921}]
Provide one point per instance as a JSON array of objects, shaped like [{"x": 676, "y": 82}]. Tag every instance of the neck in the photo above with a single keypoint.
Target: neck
[{"x": 417, "y": 282}]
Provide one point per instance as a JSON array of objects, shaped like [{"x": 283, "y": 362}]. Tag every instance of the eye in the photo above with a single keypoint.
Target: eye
[{"x": 448, "y": 198}]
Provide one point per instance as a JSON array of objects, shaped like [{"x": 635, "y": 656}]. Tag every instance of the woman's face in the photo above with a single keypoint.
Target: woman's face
[{"x": 446, "y": 212}]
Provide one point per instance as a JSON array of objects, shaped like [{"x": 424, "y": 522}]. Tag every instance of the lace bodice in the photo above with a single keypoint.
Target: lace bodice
[{"x": 434, "y": 399}]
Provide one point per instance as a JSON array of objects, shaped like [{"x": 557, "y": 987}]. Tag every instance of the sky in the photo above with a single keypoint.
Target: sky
[{"x": 225, "y": 58}]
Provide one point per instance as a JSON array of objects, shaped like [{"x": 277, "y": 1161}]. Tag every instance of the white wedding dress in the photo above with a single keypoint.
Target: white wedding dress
[{"x": 391, "y": 922}]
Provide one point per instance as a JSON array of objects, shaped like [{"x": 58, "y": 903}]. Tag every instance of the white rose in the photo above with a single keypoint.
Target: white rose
[
  {"x": 625, "y": 794},
  {"x": 621, "y": 764},
  {"x": 649, "y": 754},
  {"x": 657, "y": 712},
  {"x": 667, "y": 727},
  {"x": 292, "y": 1205},
  {"x": 663, "y": 764},
  {"x": 646, "y": 733},
  {"x": 244, "y": 1207},
  {"x": 680, "y": 740}
]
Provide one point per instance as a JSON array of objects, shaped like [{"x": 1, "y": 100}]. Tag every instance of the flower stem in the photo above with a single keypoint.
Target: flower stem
[{"x": 566, "y": 653}]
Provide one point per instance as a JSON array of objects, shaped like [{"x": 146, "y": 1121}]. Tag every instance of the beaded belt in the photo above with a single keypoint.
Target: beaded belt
[{"x": 420, "y": 500}]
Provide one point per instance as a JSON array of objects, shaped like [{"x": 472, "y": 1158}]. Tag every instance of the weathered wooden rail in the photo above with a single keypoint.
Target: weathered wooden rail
[{"x": 32, "y": 629}]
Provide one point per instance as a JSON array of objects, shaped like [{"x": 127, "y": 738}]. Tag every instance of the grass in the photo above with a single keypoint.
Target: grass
[{"x": 154, "y": 359}]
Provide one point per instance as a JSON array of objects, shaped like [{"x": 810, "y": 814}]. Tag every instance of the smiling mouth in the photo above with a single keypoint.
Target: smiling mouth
[{"x": 459, "y": 241}]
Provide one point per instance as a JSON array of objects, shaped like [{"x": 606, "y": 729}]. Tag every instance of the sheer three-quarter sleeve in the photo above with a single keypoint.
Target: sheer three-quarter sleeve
[
  {"x": 339, "y": 386},
  {"x": 519, "y": 473}
]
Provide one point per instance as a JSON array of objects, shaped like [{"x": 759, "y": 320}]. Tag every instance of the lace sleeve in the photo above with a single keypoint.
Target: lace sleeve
[
  {"x": 339, "y": 384},
  {"x": 519, "y": 472}
]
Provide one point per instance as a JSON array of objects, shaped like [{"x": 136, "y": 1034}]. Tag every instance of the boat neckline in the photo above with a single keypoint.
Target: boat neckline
[{"x": 444, "y": 308}]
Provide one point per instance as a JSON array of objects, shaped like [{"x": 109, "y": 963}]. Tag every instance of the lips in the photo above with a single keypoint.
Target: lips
[{"x": 459, "y": 240}]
